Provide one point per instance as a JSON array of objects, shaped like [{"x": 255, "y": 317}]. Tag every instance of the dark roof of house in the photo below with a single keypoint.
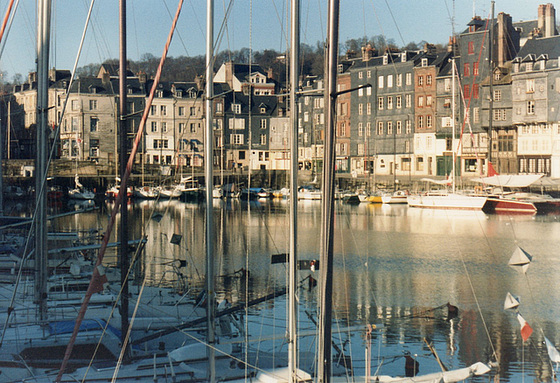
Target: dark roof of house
[{"x": 538, "y": 46}]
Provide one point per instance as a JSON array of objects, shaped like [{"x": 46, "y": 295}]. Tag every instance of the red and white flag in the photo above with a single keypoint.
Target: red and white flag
[{"x": 526, "y": 330}]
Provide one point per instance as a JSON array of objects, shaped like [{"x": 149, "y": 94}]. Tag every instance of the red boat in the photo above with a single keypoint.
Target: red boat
[{"x": 509, "y": 206}]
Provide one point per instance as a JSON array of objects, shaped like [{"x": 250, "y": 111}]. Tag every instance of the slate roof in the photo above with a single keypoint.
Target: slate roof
[{"x": 539, "y": 46}]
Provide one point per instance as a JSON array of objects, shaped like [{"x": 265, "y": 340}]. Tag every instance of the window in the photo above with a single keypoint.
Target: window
[
  {"x": 398, "y": 100},
  {"x": 192, "y": 111},
  {"x": 467, "y": 92},
  {"x": 497, "y": 95},
  {"x": 75, "y": 104},
  {"x": 429, "y": 80},
  {"x": 447, "y": 103},
  {"x": 263, "y": 139},
  {"x": 181, "y": 127},
  {"x": 263, "y": 124},
  {"x": 236, "y": 139},
  {"x": 420, "y": 163},
  {"x": 360, "y": 129},
  {"x": 429, "y": 100},
  {"x": 75, "y": 124},
  {"x": 164, "y": 127},
  {"x": 390, "y": 81},
  {"x": 161, "y": 144},
  {"x": 380, "y": 127},
  {"x": 92, "y": 104},
  {"x": 368, "y": 129},
  {"x": 236, "y": 108},
  {"x": 389, "y": 127},
  {"x": 306, "y": 117},
  {"x": 530, "y": 107},
  {"x": 408, "y": 126},
  {"x": 154, "y": 126},
  {"x": 399, "y": 127},
  {"x": 408, "y": 79},
  {"x": 368, "y": 74},
  {"x": 420, "y": 122},
  {"x": 399, "y": 79},
  {"x": 475, "y": 90},
  {"x": 192, "y": 127},
  {"x": 389, "y": 102},
  {"x": 475, "y": 69},
  {"x": 420, "y": 80},
  {"x": 360, "y": 109},
  {"x": 420, "y": 101},
  {"x": 219, "y": 107},
  {"x": 93, "y": 123},
  {"x": 429, "y": 121},
  {"x": 181, "y": 111},
  {"x": 163, "y": 110},
  {"x": 476, "y": 115},
  {"x": 471, "y": 47},
  {"x": 531, "y": 85},
  {"x": 380, "y": 103},
  {"x": 380, "y": 82},
  {"x": 153, "y": 110},
  {"x": 447, "y": 84},
  {"x": 360, "y": 92},
  {"x": 408, "y": 100},
  {"x": 360, "y": 74},
  {"x": 466, "y": 69}
]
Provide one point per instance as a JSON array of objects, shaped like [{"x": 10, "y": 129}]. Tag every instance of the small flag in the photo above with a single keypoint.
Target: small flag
[
  {"x": 526, "y": 330},
  {"x": 511, "y": 302},
  {"x": 520, "y": 260},
  {"x": 553, "y": 353}
]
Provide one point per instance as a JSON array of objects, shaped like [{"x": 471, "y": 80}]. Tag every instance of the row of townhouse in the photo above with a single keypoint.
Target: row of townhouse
[{"x": 492, "y": 96}]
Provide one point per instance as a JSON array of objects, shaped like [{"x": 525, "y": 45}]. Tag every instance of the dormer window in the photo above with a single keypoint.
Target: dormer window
[
  {"x": 497, "y": 76},
  {"x": 179, "y": 93},
  {"x": 424, "y": 62},
  {"x": 159, "y": 93},
  {"x": 236, "y": 108},
  {"x": 385, "y": 60},
  {"x": 403, "y": 57}
]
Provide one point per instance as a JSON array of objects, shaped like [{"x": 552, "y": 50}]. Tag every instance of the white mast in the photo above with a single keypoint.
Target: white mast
[
  {"x": 209, "y": 180},
  {"x": 292, "y": 284},
  {"x": 453, "y": 123}
]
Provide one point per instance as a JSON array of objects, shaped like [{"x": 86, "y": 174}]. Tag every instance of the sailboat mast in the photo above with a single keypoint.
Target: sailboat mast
[
  {"x": 292, "y": 283},
  {"x": 209, "y": 180},
  {"x": 123, "y": 129},
  {"x": 453, "y": 90},
  {"x": 43, "y": 37},
  {"x": 327, "y": 226}
]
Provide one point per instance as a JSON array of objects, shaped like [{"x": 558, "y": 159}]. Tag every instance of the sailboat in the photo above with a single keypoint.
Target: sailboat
[
  {"x": 445, "y": 199},
  {"x": 80, "y": 192}
]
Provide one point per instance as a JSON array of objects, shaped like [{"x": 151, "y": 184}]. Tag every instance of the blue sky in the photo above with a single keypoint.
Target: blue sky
[{"x": 258, "y": 24}]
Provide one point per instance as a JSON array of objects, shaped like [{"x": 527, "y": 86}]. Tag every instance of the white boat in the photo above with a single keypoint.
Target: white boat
[
  {"x": 399, "y": 196},
  {"x": 309, "y": 193},
  {"x": 80, "y": 192},
  {"x": 435, "y": 200}
]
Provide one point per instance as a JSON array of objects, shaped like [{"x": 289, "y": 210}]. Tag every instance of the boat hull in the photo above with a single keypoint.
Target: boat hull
[
  {"x": 509, "y": 206},
  {"x": 448, "y": 201}
]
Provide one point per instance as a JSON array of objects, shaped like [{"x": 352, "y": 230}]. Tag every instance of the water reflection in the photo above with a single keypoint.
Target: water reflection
[{"x": 393, "y": 265}]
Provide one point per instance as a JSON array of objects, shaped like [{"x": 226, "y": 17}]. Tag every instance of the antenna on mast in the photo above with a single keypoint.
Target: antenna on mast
[{"x": 474, "y": 9}]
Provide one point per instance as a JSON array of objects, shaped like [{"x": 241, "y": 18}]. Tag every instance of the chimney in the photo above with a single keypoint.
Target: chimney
[
  {"x": 549, "y": 20},
  {"x": 105, "y": 78},
  {"x": 367, "y": 52},
  {"x": 270, "y": 74},
  {"x": 142, "y": 77},
  {"x": 199, "y": 81},
  {"x": 229, "y": 73},
  {"x": 540, "y": 21},
  {"x": 505, "y": 28}
]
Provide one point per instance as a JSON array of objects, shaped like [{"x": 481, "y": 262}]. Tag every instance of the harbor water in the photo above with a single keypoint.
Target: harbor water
[{"x": 395, "y": 267}]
